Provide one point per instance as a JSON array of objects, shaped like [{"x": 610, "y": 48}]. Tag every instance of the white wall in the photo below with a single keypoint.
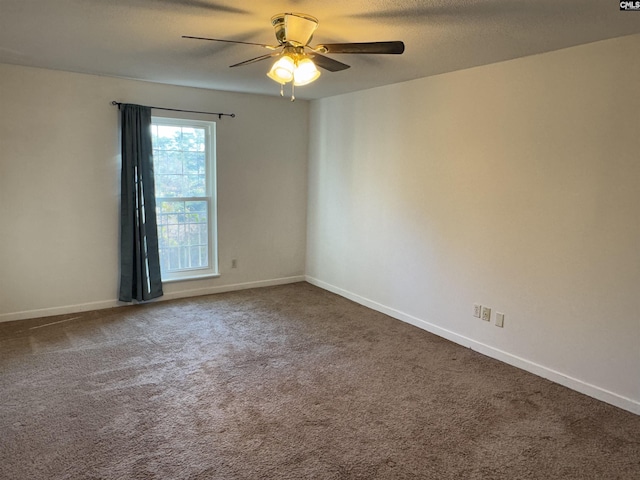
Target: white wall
[
  {"x": 59, "y": 188},
  {"x": 514, "y": 185}
]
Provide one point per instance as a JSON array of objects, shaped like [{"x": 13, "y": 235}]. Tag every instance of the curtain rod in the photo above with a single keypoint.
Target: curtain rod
[{"x": 220, "y": 115}]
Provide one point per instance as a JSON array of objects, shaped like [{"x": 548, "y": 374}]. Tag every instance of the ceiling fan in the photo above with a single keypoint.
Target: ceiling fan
[{"x": 297, "y": 60}]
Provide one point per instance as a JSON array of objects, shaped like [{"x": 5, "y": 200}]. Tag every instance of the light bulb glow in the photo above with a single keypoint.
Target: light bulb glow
[
  {"x": 305, "y": 72},
  {"x": 282, "y": 71},
  {"x": 294, "y": 67}
]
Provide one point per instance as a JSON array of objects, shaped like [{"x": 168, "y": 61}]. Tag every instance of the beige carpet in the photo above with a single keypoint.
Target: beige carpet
[{"x": 287, "y": 382}]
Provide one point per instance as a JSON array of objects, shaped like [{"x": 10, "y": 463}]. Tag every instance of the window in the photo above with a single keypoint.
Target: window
[{"x": 184, "y": 172}]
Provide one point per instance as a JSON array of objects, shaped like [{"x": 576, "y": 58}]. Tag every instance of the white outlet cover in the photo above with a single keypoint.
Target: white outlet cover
[
  {"x": 486, "y": 314},
  {"x": 499, "y": 319},
  {"x": 477, "y": 309}
]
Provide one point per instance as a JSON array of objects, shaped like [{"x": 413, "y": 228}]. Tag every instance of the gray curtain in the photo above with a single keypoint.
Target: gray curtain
[{"x": 139, "y": 260}]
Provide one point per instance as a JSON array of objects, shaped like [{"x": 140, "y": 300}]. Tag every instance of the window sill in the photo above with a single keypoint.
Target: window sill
[{"x": 193, "y": 277}]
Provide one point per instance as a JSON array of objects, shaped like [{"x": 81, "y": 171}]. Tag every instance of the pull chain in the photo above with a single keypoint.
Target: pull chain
[{"x": 293, "y": 91}]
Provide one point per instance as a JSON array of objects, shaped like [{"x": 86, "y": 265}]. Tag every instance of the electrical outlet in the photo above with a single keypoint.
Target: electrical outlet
[
  {"x": 486, "y": 314},
  {"x": 499, "y": 319},
  {"x": 476, "y": 310}
]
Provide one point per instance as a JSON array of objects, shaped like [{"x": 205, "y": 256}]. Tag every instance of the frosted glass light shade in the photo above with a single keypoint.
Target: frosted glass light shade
[
  {"x": 305, "y": 72},
  {"x": 282, "y": 70}
]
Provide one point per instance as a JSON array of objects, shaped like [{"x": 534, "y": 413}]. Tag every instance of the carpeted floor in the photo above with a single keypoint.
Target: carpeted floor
[{"x": 288, "y": 382}]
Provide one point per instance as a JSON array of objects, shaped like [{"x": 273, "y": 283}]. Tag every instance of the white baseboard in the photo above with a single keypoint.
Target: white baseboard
[
  {"x": 522, "y": 363},
  {"x": 50, "y": 312},
  {"x": 85, "y": 307},
  {"x": 196, "y": 292}
]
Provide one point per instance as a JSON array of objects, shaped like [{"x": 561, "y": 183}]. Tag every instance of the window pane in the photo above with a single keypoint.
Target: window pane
[
  {"x": 194, "y": 255},
  {"x": 169, "y": 186},
  {"x": 167, "y": 162},
  {"x": 173, "y": 264},
  {"x": 182, "y": 234},
  {"x": 176, "y": 164},
  {"x": 169, "y": 137},
  {"x": 203, "y": 234},
  {"x": 180, "y": 173},
  {"x": 194, "y": 163},
  {"x": 154, "y": 135},
  {"x": 194, "y": 186},
  {"x": 183, "y": 258},
  {"x": 193, "y": 139}
]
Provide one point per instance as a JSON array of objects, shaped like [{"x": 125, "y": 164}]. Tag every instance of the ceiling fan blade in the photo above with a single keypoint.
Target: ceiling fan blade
[
  {"x": 270, "y": 47},
  {"x": 394, "y": 48},
  {"x": 256, "y": 59},
  {"x": 328, "y": 63}
]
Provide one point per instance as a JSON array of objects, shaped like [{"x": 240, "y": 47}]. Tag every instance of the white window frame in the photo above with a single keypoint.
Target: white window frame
[{"x": 210, "y": 197}]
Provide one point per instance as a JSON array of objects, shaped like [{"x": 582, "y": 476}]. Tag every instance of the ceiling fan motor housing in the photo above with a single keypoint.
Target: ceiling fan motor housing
[{"x": 294, "y": 29}]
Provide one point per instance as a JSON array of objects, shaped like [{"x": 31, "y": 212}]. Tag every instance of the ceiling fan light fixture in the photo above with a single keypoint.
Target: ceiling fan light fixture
[
  {"x": 282, "y": 70},
  {"x": 305, "y": 72},
  {"x": 293, "y": 67}
]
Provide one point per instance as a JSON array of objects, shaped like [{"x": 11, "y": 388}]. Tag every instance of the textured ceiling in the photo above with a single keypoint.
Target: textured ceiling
[{"x": 141, "y": 39}]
